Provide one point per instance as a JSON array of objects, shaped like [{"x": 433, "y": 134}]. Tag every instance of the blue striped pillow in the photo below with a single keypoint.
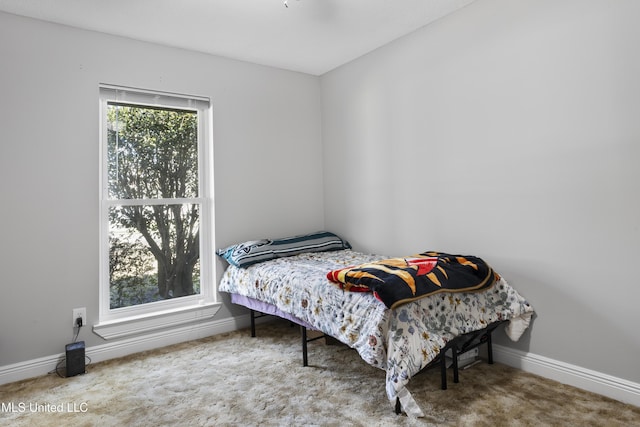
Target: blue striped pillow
[{"x": 251, "y": 252}]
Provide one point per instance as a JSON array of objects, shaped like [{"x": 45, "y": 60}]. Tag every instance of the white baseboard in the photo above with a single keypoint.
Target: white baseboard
[
  {"x": 586, "y": 379},
  {"x": 110, "y": 350}
]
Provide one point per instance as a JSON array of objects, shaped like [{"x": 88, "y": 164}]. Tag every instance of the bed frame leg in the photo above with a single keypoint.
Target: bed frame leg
[
  {"x": 489, "y": 349},
  {"x": 253, "y": 323},
  {"x": 443, "y": 369},
  {"x": 454, "y": 354},
  {"x": 304, "y": 346}
]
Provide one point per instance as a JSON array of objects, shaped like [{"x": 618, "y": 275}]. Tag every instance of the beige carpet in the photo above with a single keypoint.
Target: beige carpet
[{"x": 232, "y": 379}]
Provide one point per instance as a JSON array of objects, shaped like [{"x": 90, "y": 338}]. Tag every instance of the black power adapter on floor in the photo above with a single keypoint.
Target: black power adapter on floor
[{"x": 75, "y": 358}]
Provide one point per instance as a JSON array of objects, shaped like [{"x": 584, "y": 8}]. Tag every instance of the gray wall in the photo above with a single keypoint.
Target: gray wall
[
  {"x": 509, "y": 130},
  {"x": 266, "y": 130}
]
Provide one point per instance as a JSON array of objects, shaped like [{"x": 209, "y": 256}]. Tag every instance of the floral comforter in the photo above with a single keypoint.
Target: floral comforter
[{"x": 401, "y": 341}]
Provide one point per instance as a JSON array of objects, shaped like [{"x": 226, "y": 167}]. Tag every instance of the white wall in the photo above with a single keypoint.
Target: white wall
[
  {"x": 266, "y": 130},
  {"x": 509, "y": 130}
]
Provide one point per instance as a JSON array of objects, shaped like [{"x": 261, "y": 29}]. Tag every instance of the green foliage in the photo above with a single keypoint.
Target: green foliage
[
  {"x": 152, "y": 154},
  {"x": 131, "y": 269}
]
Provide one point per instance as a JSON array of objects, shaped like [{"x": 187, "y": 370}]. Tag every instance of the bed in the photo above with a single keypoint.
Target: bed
[{"x": 290, "y": 278}]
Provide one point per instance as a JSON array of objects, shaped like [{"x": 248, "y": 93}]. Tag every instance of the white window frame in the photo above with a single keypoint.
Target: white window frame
[{"x": 125, "y": 321}]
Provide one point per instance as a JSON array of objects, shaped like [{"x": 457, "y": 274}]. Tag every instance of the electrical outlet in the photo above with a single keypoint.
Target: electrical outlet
[{"x": 80, "y": 312}]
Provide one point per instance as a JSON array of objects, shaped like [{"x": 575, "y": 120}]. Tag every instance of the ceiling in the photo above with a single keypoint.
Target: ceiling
[{"x": 310, "y": 36}]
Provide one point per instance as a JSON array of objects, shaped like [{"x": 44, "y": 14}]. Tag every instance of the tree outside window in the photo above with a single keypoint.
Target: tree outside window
[{"x": 154, "y": 248}]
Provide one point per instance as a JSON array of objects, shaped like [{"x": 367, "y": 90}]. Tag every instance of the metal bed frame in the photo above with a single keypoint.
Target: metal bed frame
[
  {"x": 457, "y": 346},
  {"x": 305, "y": 340}
]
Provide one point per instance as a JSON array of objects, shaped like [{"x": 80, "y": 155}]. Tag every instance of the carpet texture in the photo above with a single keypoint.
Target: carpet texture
[{"x": 235, "y": 380}]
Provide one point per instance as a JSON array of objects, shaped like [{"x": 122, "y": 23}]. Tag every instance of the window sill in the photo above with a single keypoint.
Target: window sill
[{"x": 120, "y": 328}]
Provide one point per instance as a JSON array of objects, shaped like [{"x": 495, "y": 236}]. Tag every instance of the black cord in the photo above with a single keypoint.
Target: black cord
[
  {"x": 58, "y": 366},
  {"x": 75, "y": 339}
]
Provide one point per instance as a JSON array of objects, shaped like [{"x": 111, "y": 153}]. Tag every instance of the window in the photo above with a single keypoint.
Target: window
[{"x": 156, "y": 219}]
